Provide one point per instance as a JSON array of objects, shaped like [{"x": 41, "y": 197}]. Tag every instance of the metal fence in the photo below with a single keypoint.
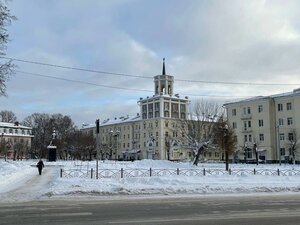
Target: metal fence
[{"x": 126, "y": 173}]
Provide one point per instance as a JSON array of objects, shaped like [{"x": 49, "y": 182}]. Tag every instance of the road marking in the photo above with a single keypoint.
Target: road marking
[
  {"x": 206, "y": 217},
  {"x": 52, "y": 215}
]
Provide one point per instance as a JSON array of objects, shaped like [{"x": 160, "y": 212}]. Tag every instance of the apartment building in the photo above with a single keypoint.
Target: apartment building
[
  {"x": 15, "y": 140},
  {"x": 153, "y": 133},
  {"x": 268, "y": 125}
]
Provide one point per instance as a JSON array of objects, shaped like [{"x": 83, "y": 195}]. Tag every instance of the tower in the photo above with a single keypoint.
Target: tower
[{"x": 163, "y": 83}]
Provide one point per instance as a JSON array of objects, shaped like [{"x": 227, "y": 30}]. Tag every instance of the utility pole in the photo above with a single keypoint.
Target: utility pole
[{"x": 97, "y": 145}]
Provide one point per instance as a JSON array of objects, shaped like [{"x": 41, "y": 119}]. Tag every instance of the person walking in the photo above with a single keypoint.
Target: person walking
[{"x": 40, "y": 166}]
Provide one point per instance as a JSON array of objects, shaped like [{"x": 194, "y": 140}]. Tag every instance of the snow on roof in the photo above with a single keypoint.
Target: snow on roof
[
  {"x": 116, "y": 120},
  {"x": 295, "y": 92},
  {"x": 121, "y": 119},
  {"x": 12, "y": 125}
]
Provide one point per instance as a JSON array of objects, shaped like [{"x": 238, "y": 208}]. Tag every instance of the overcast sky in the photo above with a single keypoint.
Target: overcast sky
[{"x": 230, "y": 41}]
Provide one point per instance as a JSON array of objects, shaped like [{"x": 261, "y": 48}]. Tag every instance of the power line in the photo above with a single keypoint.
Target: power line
[
  {"x": 148, "y": 77},
  {"x": 123, "y": 88},
  {"x": 77, "y": 81},
  {"x": 76, "y": 68}
]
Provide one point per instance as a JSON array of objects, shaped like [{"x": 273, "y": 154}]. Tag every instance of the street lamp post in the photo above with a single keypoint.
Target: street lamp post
[
  {"x": 245, "y": 152},
  {"x": 256, "y": 153},
  {"x": 117, "y": 134},
  {"x": 278, "y": 143},
  {"x": 97, "y": 145},
  {"x": 113, "y": 145}
]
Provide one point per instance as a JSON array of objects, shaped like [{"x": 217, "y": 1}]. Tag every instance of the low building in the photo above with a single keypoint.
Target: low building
[{"x": 15, "y": 140}]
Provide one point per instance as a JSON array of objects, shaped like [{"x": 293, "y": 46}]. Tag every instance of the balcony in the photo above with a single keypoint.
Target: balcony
[
  {"x": 246, "y": 116},
  {"x": 247, "y": 130}
]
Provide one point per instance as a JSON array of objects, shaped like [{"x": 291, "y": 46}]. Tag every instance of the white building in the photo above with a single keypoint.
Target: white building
[
  {"x": 153, "y": 132},
  {"x": 15, "y": 140},
  {"x": 272, "y": 123}
]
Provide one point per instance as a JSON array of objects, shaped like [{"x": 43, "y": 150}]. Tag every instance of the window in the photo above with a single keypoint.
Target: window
[
  {"x": 261, "y": 137},
  {"x": 280, "y": 122},
  {"x": 282, "y": 151},
  {"x": 289, "y": 121},
  {"x": 250, "y": 138},
  {"x": 281, "y": 137},
  {"x": 260, "y": 108},
  {"x": 260, "y": 123},
  {"x": 291, "y": 136},
  {"x": 245, "y": 138},
  {"x": 245, "y": 110},
  {"x": 289, "y": 106},
  {"x": 249, "y": 123},
  {"x": 217, "y": 154},
  {"x": 235, "y": 138},
  {"x": 280, "y": 107},
  {"x": 233, "y": 112},
  {"x": 234, "y": 126},
  {"x": 249, "y": 110}
]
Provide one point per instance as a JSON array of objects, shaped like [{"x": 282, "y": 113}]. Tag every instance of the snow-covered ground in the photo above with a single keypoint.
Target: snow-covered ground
[{"x": 19, "y": 180}]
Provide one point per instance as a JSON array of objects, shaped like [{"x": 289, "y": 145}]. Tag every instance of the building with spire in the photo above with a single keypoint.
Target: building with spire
[{"x": 152, "y": 133}]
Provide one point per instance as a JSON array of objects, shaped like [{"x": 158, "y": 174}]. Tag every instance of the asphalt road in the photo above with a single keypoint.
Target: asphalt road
[{"x": 205, "y": 210}]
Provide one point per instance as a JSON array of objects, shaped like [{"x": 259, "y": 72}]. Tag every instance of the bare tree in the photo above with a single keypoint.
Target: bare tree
[
  {"x": 197, "y": 130},
  {"x": 80, "y": 145},
  {"x": 224, "y": 138},
  {"x": 8, "y": 116},
  {"x": 294, "y": 145},
  {"x": 42, "y": 128},
  {"x": 6, "y": 67}
]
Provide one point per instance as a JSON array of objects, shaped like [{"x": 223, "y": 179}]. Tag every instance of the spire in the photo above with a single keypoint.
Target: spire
[{"x": 164, "y": 67}]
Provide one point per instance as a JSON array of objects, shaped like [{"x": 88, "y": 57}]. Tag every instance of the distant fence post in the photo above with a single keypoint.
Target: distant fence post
[
  {"x": 278, "y": 172},
  {"x": 229, "y": 171},
  {"x": 204, "y": 172},
  {"x": 61, "y": 172},
  {"x": 91, "y": 173},
  {"x": 122, "y": 172},
  {"x": 150, "y": 172},
  {"x": 254, "y": 171},
  {"x": 177, "y": 171}
]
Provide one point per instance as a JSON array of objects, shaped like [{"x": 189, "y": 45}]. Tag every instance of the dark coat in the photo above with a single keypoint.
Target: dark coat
[{"x": 40, "y": 164}]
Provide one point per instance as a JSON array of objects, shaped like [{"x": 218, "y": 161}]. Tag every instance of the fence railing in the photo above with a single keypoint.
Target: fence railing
[{"x": 126, "y": 173}]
